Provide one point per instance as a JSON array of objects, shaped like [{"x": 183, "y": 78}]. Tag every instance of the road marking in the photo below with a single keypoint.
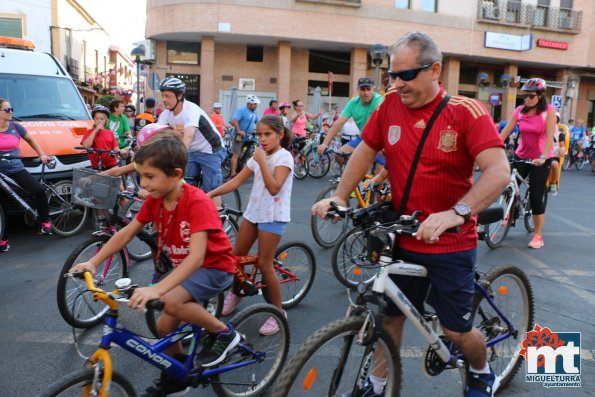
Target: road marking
[{"x": 575, "y": 225}]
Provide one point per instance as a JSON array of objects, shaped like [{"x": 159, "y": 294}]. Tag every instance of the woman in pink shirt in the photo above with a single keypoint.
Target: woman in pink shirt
[
  {"x": 300, "y": 118},
  {"x": 537, "y": 123}
]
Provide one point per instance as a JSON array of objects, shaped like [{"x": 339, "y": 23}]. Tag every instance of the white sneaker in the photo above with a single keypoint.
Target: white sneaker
[{"x": 553, "y": 190}]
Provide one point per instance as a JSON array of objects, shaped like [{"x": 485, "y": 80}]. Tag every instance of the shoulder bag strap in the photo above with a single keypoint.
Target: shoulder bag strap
[{"x": 424, "y": 136}]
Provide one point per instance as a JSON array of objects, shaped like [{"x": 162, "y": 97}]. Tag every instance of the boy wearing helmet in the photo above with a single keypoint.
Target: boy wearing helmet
[
  {"x": 199, "y": 134},
  {"x": 99, "y": 137}
]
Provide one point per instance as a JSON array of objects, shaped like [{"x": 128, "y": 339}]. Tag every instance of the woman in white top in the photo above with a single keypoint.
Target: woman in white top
[{"x": 268, "y": 208}]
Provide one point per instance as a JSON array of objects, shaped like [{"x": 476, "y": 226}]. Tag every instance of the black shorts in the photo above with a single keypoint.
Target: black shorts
[{"x": 451, "y": 277}]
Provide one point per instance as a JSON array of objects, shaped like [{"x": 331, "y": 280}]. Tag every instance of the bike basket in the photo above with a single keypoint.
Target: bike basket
[{"x": 94, "y": 190}]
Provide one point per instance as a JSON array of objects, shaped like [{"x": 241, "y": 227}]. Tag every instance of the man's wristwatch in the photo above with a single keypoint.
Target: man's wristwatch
[{"x": 463, "y": 210}]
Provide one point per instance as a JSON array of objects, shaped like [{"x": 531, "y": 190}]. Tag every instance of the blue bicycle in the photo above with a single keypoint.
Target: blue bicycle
[{"x": 248, "y": 370}]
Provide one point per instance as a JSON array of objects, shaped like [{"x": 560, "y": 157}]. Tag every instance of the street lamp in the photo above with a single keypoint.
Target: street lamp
[
  {"x": 378, "y": 53},
  {"x": 138, "y": 53}
]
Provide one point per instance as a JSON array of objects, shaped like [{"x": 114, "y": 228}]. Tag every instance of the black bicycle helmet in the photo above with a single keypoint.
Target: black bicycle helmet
[
  {"x": 172, "y": 84},
  {"x": 100, "y": 109},
  {"x": 535, "y": 84},
  {"x": 130, "y": 106}
]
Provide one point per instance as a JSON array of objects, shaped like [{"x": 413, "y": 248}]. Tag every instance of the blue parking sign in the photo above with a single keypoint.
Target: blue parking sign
[{"x": 557, "y": 101}]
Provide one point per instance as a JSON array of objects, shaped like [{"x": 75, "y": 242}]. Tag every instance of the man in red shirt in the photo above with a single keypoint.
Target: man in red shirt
[
  {"x": 442, "y": 189},
  {"x": 272, "y": 109}
]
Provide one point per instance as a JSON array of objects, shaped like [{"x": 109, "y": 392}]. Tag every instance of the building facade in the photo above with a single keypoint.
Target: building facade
[
  {"x": 284, "y": 49},
  {"x": 66, "y": 30}
]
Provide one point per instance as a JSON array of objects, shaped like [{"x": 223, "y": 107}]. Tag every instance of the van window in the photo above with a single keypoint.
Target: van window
[{"x": 42, "y": 98}]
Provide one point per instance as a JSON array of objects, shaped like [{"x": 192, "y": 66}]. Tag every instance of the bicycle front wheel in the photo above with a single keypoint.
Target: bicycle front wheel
[
  {"x": 331, "y": 362},
  {"x": 511, "y": 291},
  {"x": 318, "y": 165},
  {"x": 327, "y": 232},
  {"x": 350, "y": 259},
  {"x": 269, "y": 353},
  {"x": 295, "y": 266},
  {"x": 529, "y": 221},
  {"x": 496, "y": 232},
  {"x": 67, "y": 219},
  {"x": 75, "y": 303},
  {"x": 137, "y": 248},
  {"x": 83, "y": 382},
  {"x": 232, "y": 200}
]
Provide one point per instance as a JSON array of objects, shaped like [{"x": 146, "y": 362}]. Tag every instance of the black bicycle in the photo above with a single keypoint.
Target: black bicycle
[{"x": 67, "y": 218}]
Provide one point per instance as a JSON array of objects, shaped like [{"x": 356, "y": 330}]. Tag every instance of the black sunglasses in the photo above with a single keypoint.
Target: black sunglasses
[
  {"x": 530, "y": 96},
  {"x": 8, "y": 110},
  {"x": 408, "y": 74}
]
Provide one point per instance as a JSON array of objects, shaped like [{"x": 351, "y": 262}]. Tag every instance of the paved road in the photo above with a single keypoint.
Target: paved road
[{"x": 36, "y": 343}]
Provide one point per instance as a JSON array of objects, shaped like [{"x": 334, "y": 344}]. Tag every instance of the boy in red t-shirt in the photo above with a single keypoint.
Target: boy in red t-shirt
[
  {"x": 99, "y": 137},
  {"x": 189, "y": 228}
]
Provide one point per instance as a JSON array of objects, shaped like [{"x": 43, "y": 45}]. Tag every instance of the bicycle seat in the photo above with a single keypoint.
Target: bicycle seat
[{"x": 492, "y": 214}]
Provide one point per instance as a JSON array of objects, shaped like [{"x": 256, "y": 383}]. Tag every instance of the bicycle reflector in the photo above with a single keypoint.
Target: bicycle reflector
[
  {"x": 503, "y": 290},
  {"x": 309, "y": 379}
]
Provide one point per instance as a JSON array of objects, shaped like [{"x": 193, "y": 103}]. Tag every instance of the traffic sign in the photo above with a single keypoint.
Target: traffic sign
[
  {"x": 495, "y": 99},
  {"x": 154, "y": 81},
  {"x": 557, "y": 101}
]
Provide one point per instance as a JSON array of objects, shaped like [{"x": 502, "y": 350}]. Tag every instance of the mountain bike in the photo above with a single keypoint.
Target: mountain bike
[
  {"x": 575, "y": 157},
  {"x": 67, "y": 218},
  {"x": 515, "y": 206},
  {"x": 248, "y": 369},
  {"x": 503, "y": 311}
]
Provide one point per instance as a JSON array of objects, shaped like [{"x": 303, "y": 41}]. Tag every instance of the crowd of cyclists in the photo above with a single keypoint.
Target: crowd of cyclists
[{"x": 183, "y": 141}]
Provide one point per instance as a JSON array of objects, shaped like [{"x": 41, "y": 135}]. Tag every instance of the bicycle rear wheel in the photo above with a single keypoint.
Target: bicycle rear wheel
[
  {"x": 300, "y": 166},
  {"x": 75, "y": 303},
  {"x": 511, "y": 291},
  {"x": 318, "y": 165},
  {"x": 232, "y": 200},
  {"x": 331, "y": 362},
  {"x": 296, "y": 268},
  {"x": 350, "y": 259},
  {"x": 74, "y": 384},
  {"x": 67, "y": 219},
  {"x": 568, "y": 162},
  {"x": 496, "y": 232},
  {"x": 327, "y": 232},
  {"x": 269, "y": 351}
]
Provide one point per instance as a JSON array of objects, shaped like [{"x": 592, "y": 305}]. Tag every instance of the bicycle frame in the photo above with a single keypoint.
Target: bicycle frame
[
  {"x": 153, "y": 352},
  {"x": 383, "y": 284},
  {"x": 242, "y": 277}
]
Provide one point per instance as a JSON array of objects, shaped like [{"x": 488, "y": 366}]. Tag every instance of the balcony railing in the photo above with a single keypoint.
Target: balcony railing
[
  {"x": 517, "y": 13},
  {"x": 72, "y": 67}
]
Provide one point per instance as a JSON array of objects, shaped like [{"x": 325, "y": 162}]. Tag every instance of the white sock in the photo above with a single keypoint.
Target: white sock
[
  {"x": 377, "y": 383},
  {"x": 484, "y": 370}
]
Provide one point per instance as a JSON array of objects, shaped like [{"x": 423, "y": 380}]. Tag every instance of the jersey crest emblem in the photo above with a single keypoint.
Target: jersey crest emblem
[
  {"x": 394, "y": 134},
  {"x": 448, "y": 141}
]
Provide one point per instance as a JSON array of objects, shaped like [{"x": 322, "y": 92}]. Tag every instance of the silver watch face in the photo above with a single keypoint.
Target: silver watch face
[{"x": 462, "y": 209}]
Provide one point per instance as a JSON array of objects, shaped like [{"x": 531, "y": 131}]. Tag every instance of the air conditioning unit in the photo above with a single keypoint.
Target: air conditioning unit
[
  {"x": 490, "y": 11},
  {"x": 150, "y": 52}
]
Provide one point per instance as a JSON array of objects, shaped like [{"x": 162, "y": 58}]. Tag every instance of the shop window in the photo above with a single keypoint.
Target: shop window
[
  {"x": 192, "y": 82},
  {"x": 339, "y": 88},
  {"x": 254, "y": 53},
  {"x": 429, "y": 5},
  {"x": 468, "y": 75},
  {"x": 403, "y": 4},
  {"x": 325, "y": 61},
  {"x": 183, "y": 53}
]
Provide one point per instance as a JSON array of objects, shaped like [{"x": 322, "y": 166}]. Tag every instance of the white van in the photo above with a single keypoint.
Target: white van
[{"x": 47, "y": 103}]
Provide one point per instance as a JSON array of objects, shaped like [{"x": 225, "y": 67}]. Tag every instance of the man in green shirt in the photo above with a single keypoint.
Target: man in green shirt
[
  {"x": 360, "y": 108},
  {"x": 118, "y": 123}
]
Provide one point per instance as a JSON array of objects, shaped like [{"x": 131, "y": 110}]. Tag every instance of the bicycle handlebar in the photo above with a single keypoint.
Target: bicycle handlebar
[
  {"x": 124, "y": 287},
  {"x": 51, "y": 163},
  {"x": 230, "y": 211},
  {"x": 91, "y": 150}
]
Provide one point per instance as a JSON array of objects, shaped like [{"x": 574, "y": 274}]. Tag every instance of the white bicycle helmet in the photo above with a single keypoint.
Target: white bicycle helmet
[
  {"x": 100, "y": 109},
  {"x": 217, "y": 105},
  {"x": 252, "y": 99},
  {"x": 172, "y": 84}
]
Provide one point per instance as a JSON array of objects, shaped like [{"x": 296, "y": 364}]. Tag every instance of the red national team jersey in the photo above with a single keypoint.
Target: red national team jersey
[
  {"x": 444, "y": 172},
  {"x": 195, "y": 213}
]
